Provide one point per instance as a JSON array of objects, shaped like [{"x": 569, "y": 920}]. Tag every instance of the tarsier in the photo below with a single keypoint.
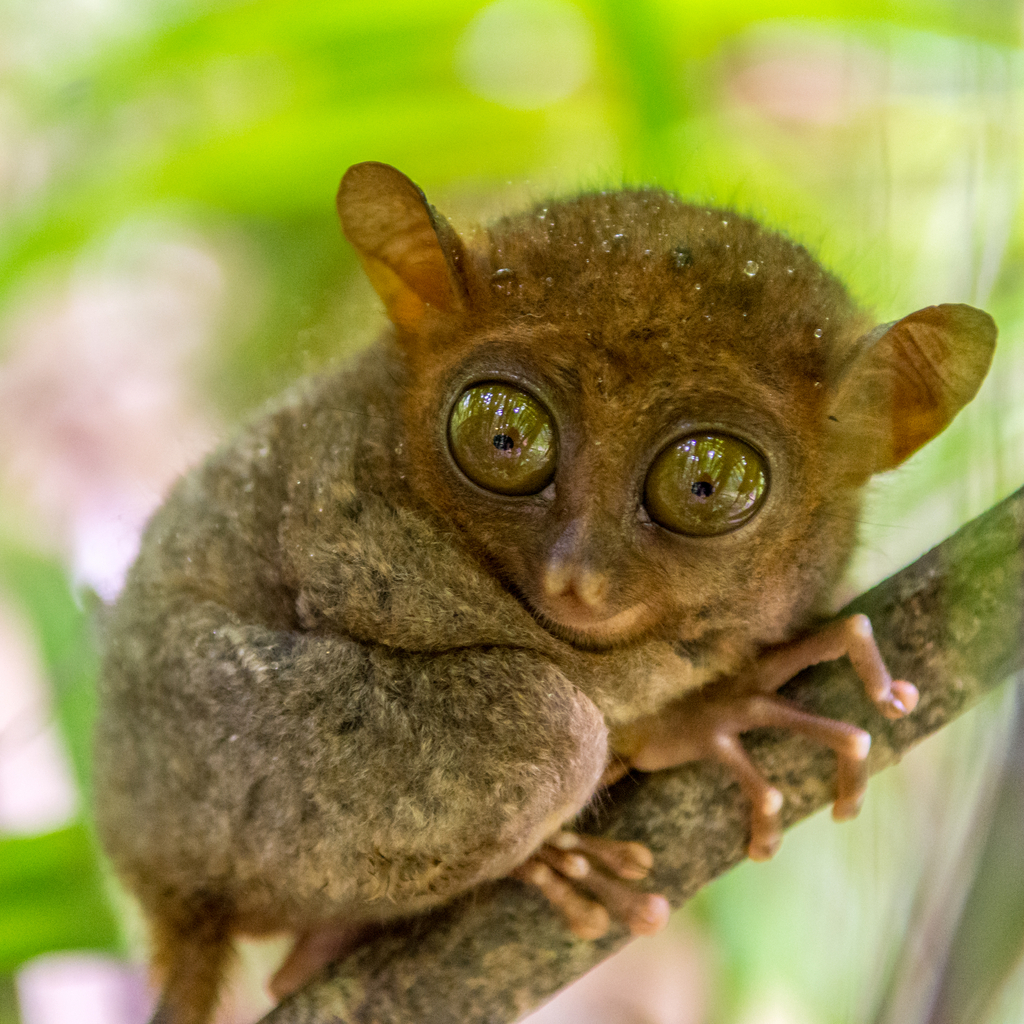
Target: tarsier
[{"x": 579, "y": 511}]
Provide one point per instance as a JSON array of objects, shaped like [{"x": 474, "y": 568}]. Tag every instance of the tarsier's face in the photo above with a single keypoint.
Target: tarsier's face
[
  {"x": 524, "y": 445},
  {"x": 616, "y": 501},
  {"x": 648, "y": 418}
]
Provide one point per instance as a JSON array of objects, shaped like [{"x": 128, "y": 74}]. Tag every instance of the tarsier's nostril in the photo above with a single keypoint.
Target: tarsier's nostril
[{"x": 566, "y": 579}]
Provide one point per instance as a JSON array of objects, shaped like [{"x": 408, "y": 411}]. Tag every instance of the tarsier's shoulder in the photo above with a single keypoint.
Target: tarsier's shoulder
[{"x": 217, "y": 535}]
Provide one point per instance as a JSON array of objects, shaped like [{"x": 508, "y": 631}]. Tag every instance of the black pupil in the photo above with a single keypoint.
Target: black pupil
[
  {"x": 702, "y": 488},
  {"x": 503, "y": 442}
]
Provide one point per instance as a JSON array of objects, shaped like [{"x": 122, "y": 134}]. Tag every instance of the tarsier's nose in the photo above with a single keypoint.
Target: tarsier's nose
[{"x": 569, "y": 579}]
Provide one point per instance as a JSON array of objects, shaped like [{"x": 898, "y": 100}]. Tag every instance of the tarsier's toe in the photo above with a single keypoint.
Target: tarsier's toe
[
  {"x": 587, "y": 879},
  {"x": 585, "y": 917},
  {"x": 903, "y": 698},
  {"x": 847, "y": 807},
  {"x": 651, "y": 915},
  {"x": 627, "y": 860},
  {"x": 643, "y": 913},
  {"x": 765, "y": 823},
  {"x": 764, "y": 846}
]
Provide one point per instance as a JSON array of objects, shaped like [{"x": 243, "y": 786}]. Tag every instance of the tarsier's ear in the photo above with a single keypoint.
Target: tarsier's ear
[
  {"x": 409, "y": 251},
  {"x": 904, "y": 382}
]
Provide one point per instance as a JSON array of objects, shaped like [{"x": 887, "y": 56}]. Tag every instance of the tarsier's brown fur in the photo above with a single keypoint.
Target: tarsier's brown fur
[{"x": 340, "y": 684}]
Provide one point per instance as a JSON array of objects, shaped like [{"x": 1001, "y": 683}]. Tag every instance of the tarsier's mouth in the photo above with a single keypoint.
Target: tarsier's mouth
[{"x": 575, "y": 622}]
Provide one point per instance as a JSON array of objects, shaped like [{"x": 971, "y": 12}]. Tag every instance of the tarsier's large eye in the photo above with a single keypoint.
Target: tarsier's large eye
[
  {"x": 503, "y": 439},
  {"x": 705, "y": 484}
]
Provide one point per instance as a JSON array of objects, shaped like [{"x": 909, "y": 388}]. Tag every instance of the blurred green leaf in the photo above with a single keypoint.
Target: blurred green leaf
[
  {"x": 52, "y": 890},
  {"x": 52, "y": 897}
]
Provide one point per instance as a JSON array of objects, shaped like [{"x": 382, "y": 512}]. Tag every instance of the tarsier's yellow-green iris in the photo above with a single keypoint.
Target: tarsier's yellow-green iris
[
  {"x": 705, "y": 484},
  {"x": 503, "y": 439}
]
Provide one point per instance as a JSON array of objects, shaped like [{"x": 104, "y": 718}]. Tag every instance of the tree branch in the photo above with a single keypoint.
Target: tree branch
[{"x": 953, "y": 623}]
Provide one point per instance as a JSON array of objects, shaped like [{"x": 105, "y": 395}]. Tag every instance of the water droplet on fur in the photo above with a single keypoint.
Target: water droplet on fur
[
  {"x": 818, "y": 332},
  {"x": 696, "y": 287},
  {"x": 725, "y": 223},
  {"x": 681, "y": 257},
  {"x": 789, "y": 270},
  {"x": 750, "y": 268},
  {"x": 549, "y": 281},
  {"x": 606, "y": 246},
  {"x": 503, "y": 281}
]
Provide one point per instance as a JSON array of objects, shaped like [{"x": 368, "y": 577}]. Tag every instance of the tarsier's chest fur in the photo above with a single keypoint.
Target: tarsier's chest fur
[{"x": 352, "y": 674}]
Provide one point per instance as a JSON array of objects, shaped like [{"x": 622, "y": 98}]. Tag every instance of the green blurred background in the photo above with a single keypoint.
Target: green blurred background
[{"x": 169, "y": 258}]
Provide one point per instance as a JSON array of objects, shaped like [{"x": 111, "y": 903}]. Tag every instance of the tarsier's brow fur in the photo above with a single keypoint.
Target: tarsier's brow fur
[{"x": 332, "y": 689}]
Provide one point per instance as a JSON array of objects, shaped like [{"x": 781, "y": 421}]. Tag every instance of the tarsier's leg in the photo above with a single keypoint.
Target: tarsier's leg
[
  {"x": 707, "y": 726},
  {"x": 587, "y": 879},
  {"x": 190, "y": 959}
]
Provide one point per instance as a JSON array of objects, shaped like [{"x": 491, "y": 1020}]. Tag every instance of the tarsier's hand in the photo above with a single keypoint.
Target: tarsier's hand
[{"x": 706, "y": 725}]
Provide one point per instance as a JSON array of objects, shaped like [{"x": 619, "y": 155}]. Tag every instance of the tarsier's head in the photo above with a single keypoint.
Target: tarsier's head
[{"x": 648, "y": 417}]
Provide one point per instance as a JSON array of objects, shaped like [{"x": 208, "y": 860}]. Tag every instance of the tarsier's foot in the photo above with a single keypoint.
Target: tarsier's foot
[
  {"x": 707, "y": 725},
  {"x": 314, "y": 950},
  {"x": 587, "y": 879}
]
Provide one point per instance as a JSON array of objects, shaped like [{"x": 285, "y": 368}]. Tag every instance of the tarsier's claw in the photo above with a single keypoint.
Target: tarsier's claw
[
  {"x": 571, "y": 865},
  {"x": 586, "y": 878},
  {"x": 903, "y": 700},
  {"x": 764, "y": 847}
]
